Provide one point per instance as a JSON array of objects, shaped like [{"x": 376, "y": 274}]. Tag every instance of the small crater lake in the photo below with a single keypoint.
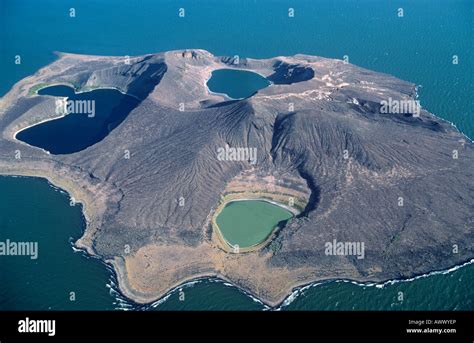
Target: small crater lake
[
  {"x": 237, "y": 84},
  {"x": 249, "y": 222},
  {"x": 91, "y": 116}
]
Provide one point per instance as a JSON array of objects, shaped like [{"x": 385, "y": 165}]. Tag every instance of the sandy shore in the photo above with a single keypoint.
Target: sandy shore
[
  {"x": 91, "y": 197},
  {"x": 92, "y": 209}
]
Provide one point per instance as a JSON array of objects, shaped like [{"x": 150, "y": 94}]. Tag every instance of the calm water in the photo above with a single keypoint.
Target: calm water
[
  {"x": 237, "y": 84},
  {"x": 452, "y": 291},
  {"x": 249, "y": 222},
  {"x": 418, "y": 47},
  {"x": 94, "y": 114},
  {"x": 33, "y": 211}
]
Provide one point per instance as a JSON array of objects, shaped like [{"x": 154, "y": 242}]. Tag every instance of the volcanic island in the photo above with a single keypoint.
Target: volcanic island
[{"x": 340, "y": 168}]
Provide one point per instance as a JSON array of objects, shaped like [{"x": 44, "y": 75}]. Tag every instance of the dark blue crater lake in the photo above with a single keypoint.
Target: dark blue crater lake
[
  {"x": 237, "y": 84},
  {"x": 90, "y": 117}
]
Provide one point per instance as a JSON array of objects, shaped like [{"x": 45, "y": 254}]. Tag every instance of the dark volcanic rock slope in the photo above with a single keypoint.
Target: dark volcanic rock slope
[{"x": 388, "y": 180}]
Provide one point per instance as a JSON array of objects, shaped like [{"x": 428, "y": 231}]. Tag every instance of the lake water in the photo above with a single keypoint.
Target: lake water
[
  {"x": 237, "y": 84},
  {"x": 249, "y": 222},
  {"x": 91, "y": 116},
  {"x": 418, "y": 47}
]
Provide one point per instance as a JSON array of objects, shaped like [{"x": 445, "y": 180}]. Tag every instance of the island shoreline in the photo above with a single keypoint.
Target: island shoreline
[{"x": 93, "y": 218}]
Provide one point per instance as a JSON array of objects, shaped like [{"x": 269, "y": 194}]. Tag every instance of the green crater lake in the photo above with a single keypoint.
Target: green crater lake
[
  {"x": 237, "y": 84},
  {"x": 250, "y": 222}
]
